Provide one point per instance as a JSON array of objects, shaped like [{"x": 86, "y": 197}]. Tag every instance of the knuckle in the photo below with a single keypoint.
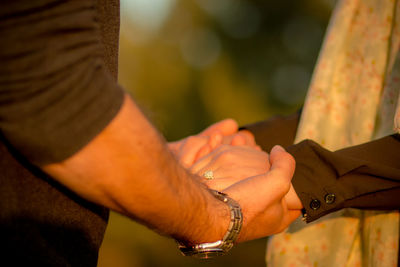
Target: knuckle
[
  {"x": 192, "y": 139},
  {"x": 281, "y": 183},
  {"x": 289, "y": 158},
  {"x": 285, "y": 186}
]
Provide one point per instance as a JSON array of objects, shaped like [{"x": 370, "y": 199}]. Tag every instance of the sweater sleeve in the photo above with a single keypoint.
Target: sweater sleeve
[
  {"x": 366, "y": 176},
  {"x": 55, "y": 92}
]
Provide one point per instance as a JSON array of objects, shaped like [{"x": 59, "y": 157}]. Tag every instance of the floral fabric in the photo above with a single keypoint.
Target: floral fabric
[{"x": 353, "y": 98}]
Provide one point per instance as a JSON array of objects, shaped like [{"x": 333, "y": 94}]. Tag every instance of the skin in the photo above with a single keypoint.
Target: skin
[
  {"x": 192, "y": 148},
  {"x": 246, "y": 162},
  {"x": 275, "y": 212},
  {"x": 129, "y": 168},
  {"x": 228, "y": 175},
  {"x": 241, "y": 144}
]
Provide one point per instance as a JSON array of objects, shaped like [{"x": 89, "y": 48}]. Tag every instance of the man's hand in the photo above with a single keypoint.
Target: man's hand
[
  {"x": 261, "y": 185},
  {"x": 262, "y": 198}
]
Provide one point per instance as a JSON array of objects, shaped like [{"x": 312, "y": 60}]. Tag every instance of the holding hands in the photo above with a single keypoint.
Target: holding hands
[{"x": 230, "y": 161}]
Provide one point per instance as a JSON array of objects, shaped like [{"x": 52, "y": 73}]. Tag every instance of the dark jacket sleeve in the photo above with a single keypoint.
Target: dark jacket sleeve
[
  {"x": 365, "y": 176},
  {"x": 277, "y": 130},
  {"x": 56, "y": 93}
]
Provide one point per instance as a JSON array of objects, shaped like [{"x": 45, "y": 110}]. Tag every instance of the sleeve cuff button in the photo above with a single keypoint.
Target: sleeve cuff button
[
  {"x": 315, "y": 204},
  {"x": 330, "y": 198}
]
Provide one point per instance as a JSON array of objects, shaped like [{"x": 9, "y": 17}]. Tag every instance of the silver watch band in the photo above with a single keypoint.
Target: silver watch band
[
  {"x": 221, "y": 247},
  {"x": 235, "y": 224}
]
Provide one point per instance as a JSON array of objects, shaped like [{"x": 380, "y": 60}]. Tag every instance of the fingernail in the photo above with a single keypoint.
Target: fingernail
[{"x": 278, "y": 148}]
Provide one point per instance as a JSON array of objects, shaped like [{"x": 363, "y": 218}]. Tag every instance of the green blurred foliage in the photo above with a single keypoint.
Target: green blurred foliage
[{"x": 209, "y": 60}]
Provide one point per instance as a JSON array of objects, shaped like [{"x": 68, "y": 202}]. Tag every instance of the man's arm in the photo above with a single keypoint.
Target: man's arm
[
  {"x": 129, "y": 168},
  {"x": 62, "y": 110}
]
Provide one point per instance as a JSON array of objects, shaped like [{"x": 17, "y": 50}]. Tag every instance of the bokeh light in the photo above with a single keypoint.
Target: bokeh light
[
  {"x": 149, "y": 15},
  {"x": 200, "y": 47}
]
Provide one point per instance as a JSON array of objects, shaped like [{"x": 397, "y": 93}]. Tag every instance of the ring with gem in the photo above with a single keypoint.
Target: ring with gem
[{"x": 209, "y": 175}]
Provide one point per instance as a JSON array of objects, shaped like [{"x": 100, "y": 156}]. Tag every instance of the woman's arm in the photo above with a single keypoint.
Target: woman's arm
[{"x": 364, "y": 176}]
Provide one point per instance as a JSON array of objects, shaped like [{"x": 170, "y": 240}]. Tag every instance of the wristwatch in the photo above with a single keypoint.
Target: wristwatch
[{"x": 221, "y": 247}]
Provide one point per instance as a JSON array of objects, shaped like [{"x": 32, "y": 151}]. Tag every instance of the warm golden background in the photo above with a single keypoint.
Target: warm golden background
[{"x": 190, "y": 63}]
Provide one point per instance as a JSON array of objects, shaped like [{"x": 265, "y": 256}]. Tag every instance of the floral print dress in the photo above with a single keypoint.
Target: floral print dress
[{"x": 353, "y": 98}]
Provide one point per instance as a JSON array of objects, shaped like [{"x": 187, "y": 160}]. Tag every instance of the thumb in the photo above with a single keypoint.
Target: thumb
[{"x": 282, "y": 167}]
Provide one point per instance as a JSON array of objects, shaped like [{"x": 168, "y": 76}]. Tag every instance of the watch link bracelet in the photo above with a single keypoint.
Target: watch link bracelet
[{"x": 221, "y": 247}]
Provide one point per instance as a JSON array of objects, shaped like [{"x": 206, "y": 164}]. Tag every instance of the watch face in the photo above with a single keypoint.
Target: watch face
[{"x": 203, "y": 253}]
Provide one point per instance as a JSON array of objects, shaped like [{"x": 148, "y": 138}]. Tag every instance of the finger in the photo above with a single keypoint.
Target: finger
[
  {"x": 224, "y": 155},
  {"x": 292, "y": 199},
  {"x": 205, "y": 150},
  {"x": 205, "y": 161},
  {"x": 234, "y": 159},
  {"x": 282, "y": 170},
  {"x": 225, "y": 127},
  {"x": 215, "y": 139},
  {"x": 274, "y": 221},
  {"x": 237, "y": 171},
  {"x": 190, "y": 148},
  {"x": 292, "y": 216},
  {"x": 238, "y": 140},
  {"x": 245, "y": 137},
  {"x": 202, "y": 162},
  {"x": 221, "y": 184},
  {"x": 289, "y": 217}
]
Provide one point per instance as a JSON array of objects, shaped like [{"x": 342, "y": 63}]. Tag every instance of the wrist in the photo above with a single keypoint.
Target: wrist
[
  {"x": 221, "y": 246},
  {"x": 220, "y": 220},
  {"x": 214, "y": 224}
]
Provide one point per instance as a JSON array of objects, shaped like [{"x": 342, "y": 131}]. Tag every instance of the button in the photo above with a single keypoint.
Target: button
[
  {"x": 330, "y": 198},
  {"x": 315, "y": 204}
]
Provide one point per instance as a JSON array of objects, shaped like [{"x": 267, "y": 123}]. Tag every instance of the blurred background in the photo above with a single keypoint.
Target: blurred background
[{"x": 190, "y": 63}]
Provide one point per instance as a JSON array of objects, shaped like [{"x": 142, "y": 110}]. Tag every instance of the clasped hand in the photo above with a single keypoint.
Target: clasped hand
[{"x": 258, "y": 181}]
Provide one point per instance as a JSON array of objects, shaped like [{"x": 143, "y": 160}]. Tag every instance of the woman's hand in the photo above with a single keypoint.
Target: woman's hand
[
  {"x": 231, "y": 164},
  {"x": 192, "y": 148}
]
